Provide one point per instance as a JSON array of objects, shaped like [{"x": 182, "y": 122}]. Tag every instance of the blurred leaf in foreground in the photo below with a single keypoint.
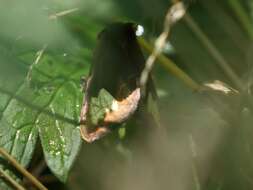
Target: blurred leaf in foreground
[{"x": 48, "y": 107}]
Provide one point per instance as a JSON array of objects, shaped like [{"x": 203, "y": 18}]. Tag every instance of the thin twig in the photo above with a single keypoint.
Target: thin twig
[
  {"x": 8, "y": 178},
  {"x": 175, "y": 13},
  {"x": 170, "y": 66},
  {"x": 62, "y": 13},
  {"x": 214, "y": 52},
  {"x": 22, "y": 170},
  {"x": 36, "y": 61}
]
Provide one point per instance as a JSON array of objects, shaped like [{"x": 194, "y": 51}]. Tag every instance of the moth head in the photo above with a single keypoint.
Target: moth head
[{"x": 118, "y": 33}]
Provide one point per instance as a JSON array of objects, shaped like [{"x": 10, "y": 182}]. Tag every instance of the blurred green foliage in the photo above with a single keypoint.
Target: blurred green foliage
[{"x": 200, "y": 148}]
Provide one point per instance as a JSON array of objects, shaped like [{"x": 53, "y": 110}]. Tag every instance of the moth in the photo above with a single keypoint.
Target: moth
[{"x": 116, "y": 68}]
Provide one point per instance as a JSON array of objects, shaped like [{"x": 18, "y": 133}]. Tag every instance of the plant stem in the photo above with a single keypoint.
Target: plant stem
[
  {"x": 242, "y": 16},
  {"x": 22, "y": 170},
  {"x": 170, "y": 66},
  {"x": 10, "y": 180},
  {"x": 213, "y": 52}
]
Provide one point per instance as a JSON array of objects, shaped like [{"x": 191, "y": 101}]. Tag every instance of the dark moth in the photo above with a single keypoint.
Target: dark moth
[{"x": 114, "y": 76}]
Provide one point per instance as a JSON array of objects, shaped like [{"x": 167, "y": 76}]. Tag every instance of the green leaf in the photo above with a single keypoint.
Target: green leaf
[
  {"x": 47, "y": 108},
  {"x": 17, "y": 138},
  {"x": 99, "y": 105},
  {"x": 60, "y": 140}
]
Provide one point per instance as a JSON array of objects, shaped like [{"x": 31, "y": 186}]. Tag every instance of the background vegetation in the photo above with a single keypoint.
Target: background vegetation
[{"x": 46, "y": 47}]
